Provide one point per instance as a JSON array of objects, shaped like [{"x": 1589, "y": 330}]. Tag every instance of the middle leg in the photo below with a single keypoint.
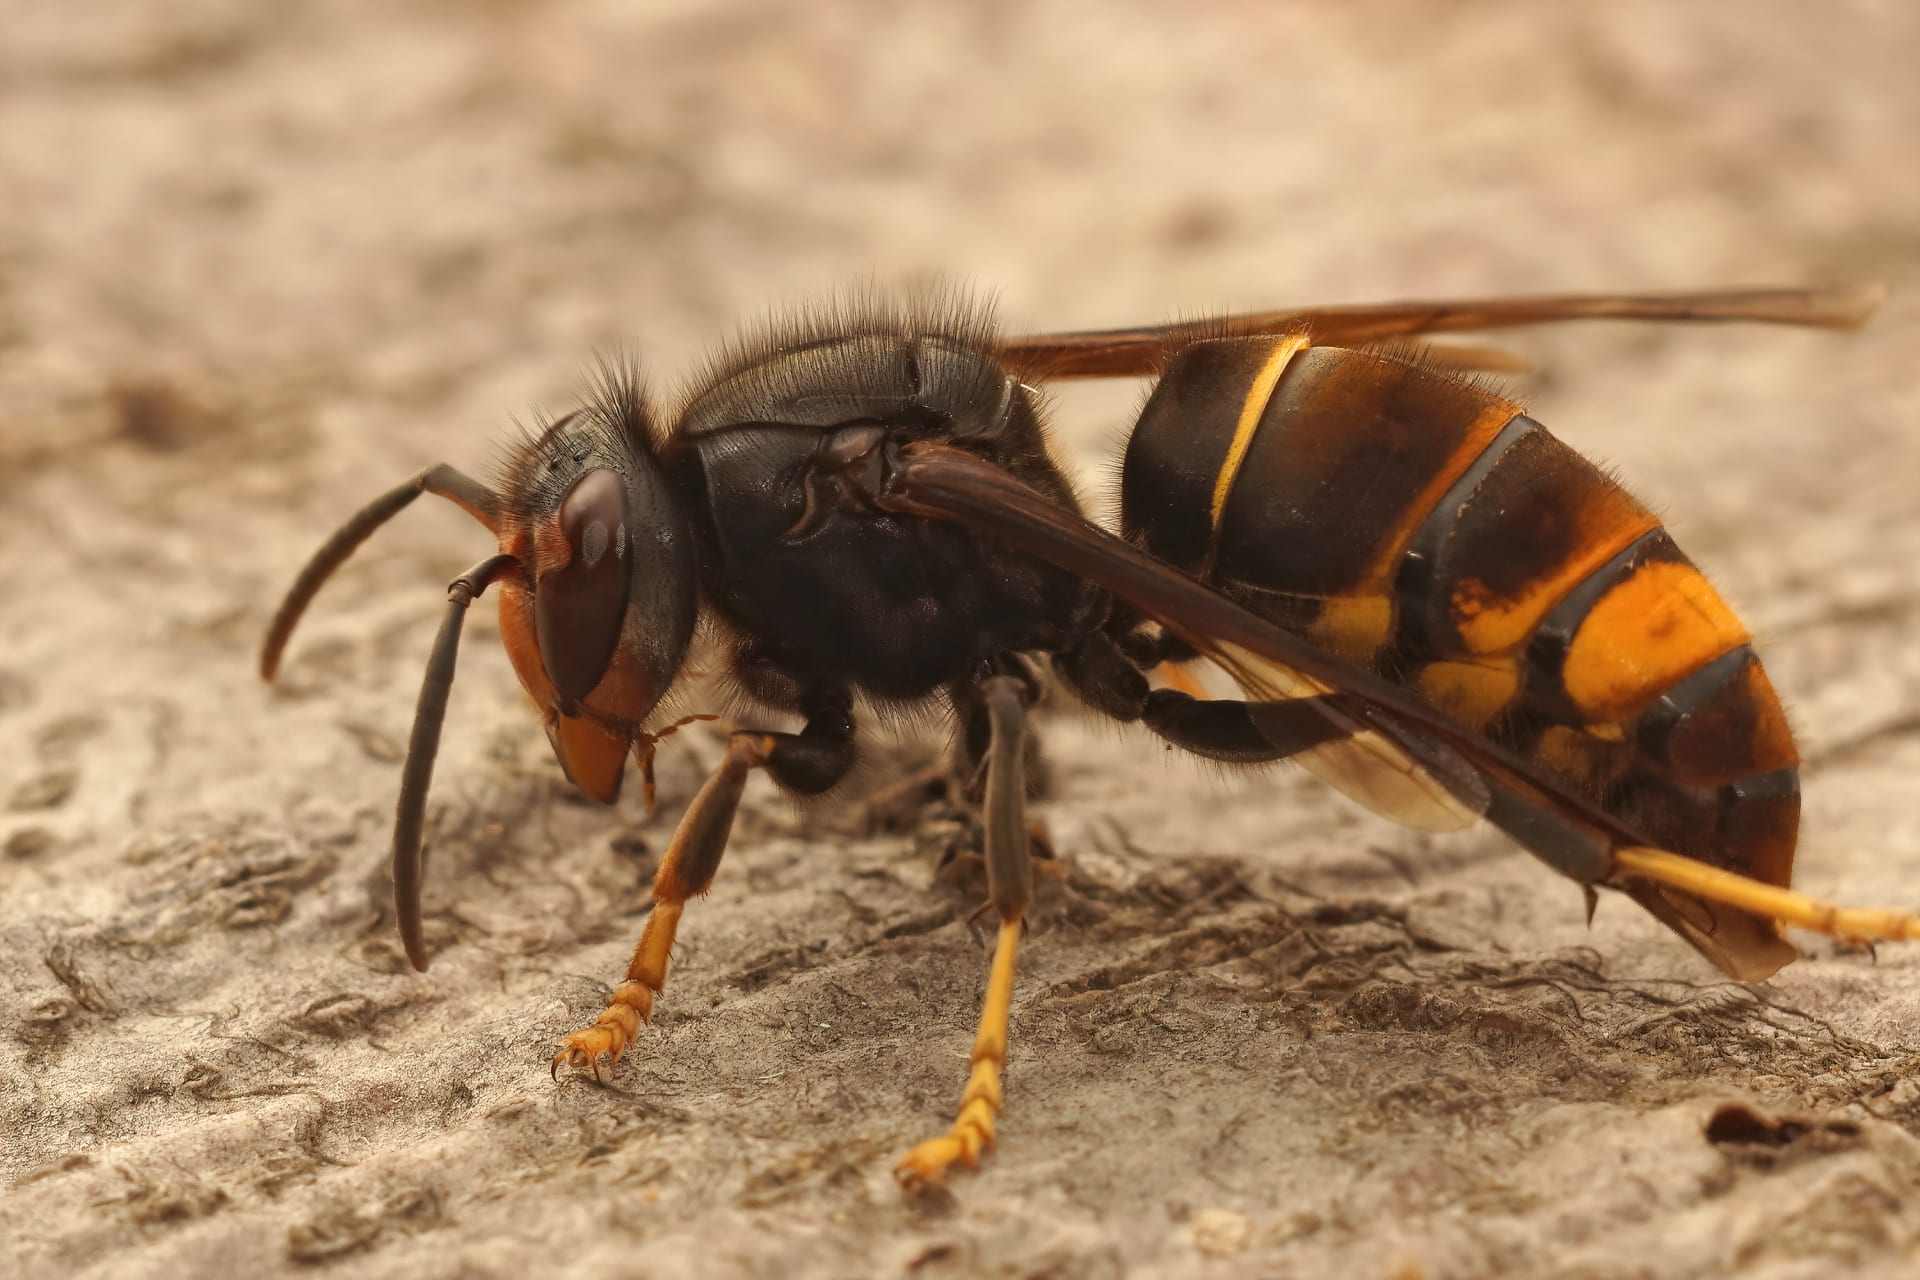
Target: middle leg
[
  {"x": 1009, "y": 891},
  {"x": 952, "y": 823}
]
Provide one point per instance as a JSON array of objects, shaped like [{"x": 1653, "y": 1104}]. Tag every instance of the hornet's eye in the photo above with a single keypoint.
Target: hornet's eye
[{"x": 580, "y": 605}]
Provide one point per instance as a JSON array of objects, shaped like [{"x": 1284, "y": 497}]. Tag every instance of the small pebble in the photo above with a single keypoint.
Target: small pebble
[{"x": 1220, "y": 1233}]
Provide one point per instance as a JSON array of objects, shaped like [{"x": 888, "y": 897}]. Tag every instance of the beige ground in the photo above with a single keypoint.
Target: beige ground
[{"x": 260, "y": 261}]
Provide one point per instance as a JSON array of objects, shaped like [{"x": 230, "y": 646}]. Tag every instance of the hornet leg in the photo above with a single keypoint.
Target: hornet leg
[
  {"x": 809, "y": 761},
  {"x": 1689, "y": 875},
  {"x": 1009, "y": 890}
]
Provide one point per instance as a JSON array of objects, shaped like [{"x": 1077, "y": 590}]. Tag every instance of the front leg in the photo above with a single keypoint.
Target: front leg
[{"x": 807, "y": 762}]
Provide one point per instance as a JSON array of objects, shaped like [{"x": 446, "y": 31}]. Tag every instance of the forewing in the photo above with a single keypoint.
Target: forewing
[
  {"x": 1372, "y": 755},
  {"x": 1139, "y": 351},
  {"x": 1387, "y": 766}
]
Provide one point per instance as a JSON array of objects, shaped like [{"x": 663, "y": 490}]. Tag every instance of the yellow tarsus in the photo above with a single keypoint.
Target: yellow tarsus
[
  {"x": 980, "y": 1102},
  {"x": 1857, "y": 924},
  {"x": 631, "y": 1002}
]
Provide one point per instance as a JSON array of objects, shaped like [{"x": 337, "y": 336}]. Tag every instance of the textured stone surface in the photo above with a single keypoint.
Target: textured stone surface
[{"x": 260, "y": 261}]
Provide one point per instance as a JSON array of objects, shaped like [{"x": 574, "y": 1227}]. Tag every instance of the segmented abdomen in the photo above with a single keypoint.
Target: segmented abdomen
[{"x": 1424, "y": 527}]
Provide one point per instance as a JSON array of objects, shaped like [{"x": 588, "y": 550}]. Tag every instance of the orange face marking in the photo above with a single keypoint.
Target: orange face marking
[
  {"x": 626, "y": 694},
  {"x": 594, "y": 756},
  {"x": 1470, "y": 692},
  {"x": 523, "y": 650},
  {"x": 1648, "y": 632},
  {"x": 591, "y": 748}
]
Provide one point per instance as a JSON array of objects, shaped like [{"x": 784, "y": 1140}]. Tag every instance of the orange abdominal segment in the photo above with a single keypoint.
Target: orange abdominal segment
[{"x": 1643, "y": 635}]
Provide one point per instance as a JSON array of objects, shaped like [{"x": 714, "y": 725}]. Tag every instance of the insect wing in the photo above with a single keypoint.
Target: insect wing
[
  {"x": 1390, "y": 752},
  {"x": 1371, "y": 755},
  {"x": 1390, "y": 768},
  {"x": 1135, "y": 352}
]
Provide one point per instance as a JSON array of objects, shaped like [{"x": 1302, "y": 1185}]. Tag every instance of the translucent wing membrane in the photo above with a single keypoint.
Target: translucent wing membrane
[{"x": 1436, "y": 791}]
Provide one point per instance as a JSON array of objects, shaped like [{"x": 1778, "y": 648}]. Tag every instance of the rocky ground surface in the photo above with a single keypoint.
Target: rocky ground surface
[{"x": 258, "y": 262}]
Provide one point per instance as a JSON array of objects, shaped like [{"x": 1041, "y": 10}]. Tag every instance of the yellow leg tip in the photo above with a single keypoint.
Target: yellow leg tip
[
  {"x": 981, "y": 1101},
  {"x": 630, "y": 1005},
  {"x": 583, "y": 1050},
  {"x": 1859, "y": 924},
  {"x": 633, "y": 996},
  {"x": 927, "y": 1164},
  {"x": 976, "y": 1122}
]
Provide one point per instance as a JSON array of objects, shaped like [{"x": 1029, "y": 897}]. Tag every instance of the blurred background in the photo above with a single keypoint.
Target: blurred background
[{"x": 259, "y": 262}]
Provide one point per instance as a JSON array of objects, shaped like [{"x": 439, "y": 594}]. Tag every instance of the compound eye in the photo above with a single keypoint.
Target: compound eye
[{"x": 580, "y": 606}]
